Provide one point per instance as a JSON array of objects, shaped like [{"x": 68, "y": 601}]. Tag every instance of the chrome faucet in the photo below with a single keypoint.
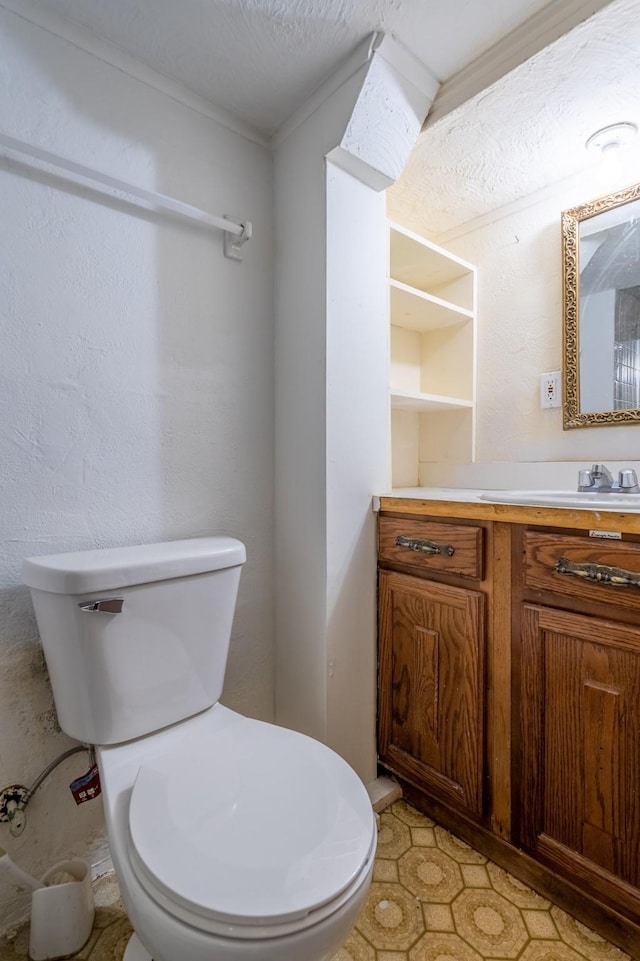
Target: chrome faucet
[{"x": 600, "y": 478}]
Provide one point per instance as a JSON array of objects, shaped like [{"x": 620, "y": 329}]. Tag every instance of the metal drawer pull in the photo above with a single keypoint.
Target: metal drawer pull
[
  {"x": 106, "y": 605},
  {"x": 425, "y": 547},
  {"x": 602, "y": 573}
]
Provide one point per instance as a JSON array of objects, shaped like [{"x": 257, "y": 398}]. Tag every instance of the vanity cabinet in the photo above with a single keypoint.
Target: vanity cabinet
[
  {"x": 432, "y": 304},
  {"x": 509, "y": 691},
  {"x": 432, "y": 657},
  {"x": 578, "y": 700}
]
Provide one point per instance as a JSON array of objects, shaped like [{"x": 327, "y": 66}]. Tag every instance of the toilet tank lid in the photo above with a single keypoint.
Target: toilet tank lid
[{"x": 110, "y": 568}]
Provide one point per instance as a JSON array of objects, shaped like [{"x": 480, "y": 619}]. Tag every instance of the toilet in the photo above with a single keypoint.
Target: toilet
[{"x": 232, "y": 839}]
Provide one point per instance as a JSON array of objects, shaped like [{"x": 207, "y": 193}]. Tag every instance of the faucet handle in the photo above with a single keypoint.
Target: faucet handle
[
  {"x": 585, "y": 480},
  {"x": 628, "y": 480}
]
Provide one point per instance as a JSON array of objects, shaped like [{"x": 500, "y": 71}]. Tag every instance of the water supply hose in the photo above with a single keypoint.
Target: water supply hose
[
  {"x": 51, "y": 767},
  {"x": 15, "y": 797}
]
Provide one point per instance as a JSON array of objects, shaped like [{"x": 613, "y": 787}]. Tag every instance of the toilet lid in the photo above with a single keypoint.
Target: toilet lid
[{"x": 255, "y": 825}]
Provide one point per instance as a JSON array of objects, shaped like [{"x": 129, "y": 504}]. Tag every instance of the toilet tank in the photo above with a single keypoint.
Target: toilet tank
[{"x": 135, "y": 638}]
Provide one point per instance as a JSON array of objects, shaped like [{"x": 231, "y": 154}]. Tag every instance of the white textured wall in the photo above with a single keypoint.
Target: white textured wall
[
  {"x": 518, "y": 254},
  {"x": 136, "y": 389},
  {"x": 301, "y": 427},
  {"x": 332, "y": 421},
  {"x": 357, "y": 411}
]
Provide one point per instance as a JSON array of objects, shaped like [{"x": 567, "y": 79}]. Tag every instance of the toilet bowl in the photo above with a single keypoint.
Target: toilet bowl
[
  {"x": 232, "y": 839},
  {"x": 237, "y": 840}
]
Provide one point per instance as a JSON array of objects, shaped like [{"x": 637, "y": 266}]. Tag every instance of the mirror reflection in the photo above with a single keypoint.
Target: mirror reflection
[
  {"x": 601, "y": 246},
  {"x": 610, "y": 310}
]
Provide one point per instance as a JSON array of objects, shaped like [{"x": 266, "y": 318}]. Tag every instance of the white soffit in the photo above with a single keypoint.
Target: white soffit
[{"x": 528, "y": 130}]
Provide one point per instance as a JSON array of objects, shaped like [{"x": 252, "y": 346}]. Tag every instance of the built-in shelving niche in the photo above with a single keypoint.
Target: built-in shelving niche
[{"x": 433, "y": 357}]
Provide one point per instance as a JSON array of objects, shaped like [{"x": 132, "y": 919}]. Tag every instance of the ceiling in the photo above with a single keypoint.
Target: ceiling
[
  {"x": 528, "y": 130},
  {"x": 261, "y": 59}
]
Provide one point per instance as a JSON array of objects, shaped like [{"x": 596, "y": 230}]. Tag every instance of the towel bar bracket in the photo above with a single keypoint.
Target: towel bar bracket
[{"x": 234, "y": 242}]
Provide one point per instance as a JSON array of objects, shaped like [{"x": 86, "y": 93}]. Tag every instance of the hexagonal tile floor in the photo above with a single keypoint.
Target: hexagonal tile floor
[{"x": 433, "y": 898}]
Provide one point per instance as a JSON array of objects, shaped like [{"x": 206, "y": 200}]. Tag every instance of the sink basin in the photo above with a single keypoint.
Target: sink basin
[{"x": 545, "y": 498}]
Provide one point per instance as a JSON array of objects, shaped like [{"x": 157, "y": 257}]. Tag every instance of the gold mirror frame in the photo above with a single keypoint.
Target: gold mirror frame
[{"x": 571, "y": 220}]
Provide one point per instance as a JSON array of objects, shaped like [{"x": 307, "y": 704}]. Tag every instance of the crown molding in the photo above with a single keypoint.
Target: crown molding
[
  {"x": 543, "y": 28},
  {"x": 82, "y": 38}
]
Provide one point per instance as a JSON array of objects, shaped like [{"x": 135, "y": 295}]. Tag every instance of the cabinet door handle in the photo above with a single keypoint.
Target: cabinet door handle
[
  {"x": 425, "y": 547},
  {"x": 602, "y": 573}
]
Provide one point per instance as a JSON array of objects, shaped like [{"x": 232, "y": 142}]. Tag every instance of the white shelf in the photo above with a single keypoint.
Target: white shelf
[
  {"x": 416, "y": 310},
  {"x": 412, "y": 400},
  {"x": 419, "y": 263}
]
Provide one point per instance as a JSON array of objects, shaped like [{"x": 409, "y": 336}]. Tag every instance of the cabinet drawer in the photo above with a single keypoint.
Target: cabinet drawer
[
  {"x": 431, "y": 545},
  {"x": 606, "y": 572}
]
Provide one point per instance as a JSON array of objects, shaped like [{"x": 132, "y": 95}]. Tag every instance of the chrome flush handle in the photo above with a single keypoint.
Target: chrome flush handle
[{"x": 106, "y": 605}]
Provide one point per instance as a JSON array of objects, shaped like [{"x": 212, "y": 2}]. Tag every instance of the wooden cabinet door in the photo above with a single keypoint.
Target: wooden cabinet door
[
  {"x": 431, "y": 686},
  {"x": 580, "y": 751}
]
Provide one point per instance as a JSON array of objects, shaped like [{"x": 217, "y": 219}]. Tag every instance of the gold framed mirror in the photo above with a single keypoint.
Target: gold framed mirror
[{"x": 601, "y": 311}]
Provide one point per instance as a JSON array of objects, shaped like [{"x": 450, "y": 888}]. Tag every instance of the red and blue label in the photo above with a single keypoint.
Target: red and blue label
[{"x": 87, "y": 787}]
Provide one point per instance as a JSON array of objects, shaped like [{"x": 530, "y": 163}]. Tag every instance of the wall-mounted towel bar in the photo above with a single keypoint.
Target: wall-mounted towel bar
[{"x": 236, "y": 232}]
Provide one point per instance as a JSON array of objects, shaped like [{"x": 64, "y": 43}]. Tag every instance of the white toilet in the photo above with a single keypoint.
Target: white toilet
[{"x": 232, "y": 839}]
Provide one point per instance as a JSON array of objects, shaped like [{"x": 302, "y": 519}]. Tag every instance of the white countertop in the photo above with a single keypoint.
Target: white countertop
[
  {"x": 435, "y": 493},
  {"x": 563, "y": 499},
  {"x": 463, "y": 494}
]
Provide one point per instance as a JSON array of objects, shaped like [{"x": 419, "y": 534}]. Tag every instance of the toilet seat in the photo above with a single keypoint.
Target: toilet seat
[{"x": 250, "y": 832}]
